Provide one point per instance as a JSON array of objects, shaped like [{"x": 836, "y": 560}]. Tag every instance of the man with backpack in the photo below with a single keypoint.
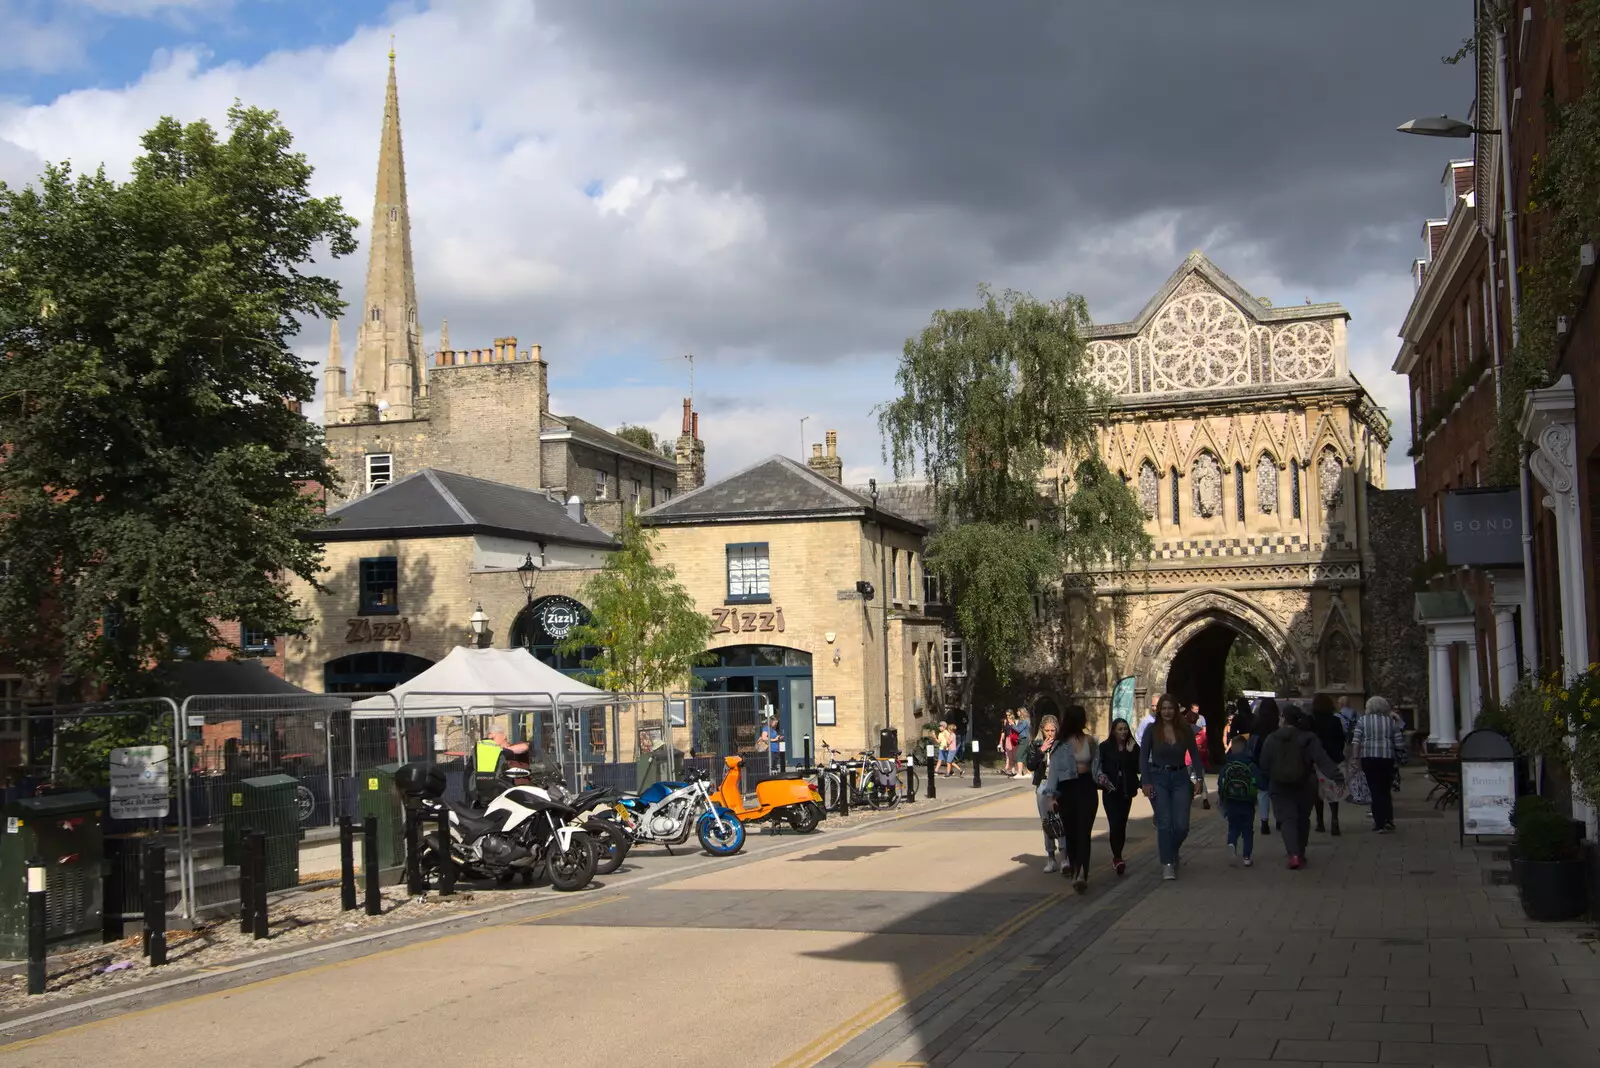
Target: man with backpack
[
  {"x": 1236, "y": 789},
  {"x": 1289, "y": 761}
]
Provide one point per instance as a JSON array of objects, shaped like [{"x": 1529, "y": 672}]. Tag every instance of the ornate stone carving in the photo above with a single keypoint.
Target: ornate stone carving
[
  {"x": 1149, "y": 489},
  {"x": 1266, "y": 485},
  {"x": 1110, "y": 365},
  {"x": 1206, "y": 476},
  {"x": 1302, "y": 352},
  {"x": 1337, "y": 657},
  {"x": 1198, "y": 342},
  {"x": 1330, "y": 477},
  {"x": 1552, "y": 462}
]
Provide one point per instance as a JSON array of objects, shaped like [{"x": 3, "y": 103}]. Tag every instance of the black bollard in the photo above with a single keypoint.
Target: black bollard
[
  {"x": 416, "y": 882},
  {"x": 247, "y": 889},
  {"x": 258, "y": 912},
  {"x": 447, "y": 863},
  {"x": 846, "y": 784},
  {"x": 155, "y": 904},
  {"x": 933, "y": 763},
  {"x": 977, "y": 773},
  {"x": 808, "y": 752},
  {"x": 36, "y": 926},
  {"x": 369, "y": 865},
  {"x": 347, "y": 864},
  {"x": 911, "y": 784}
]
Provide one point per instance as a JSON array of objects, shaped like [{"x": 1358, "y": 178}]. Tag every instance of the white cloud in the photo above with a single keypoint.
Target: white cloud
[{"x": 43, "y": 46}]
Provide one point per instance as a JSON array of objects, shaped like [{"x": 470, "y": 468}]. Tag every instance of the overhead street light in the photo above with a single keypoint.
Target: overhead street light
[
  {"x": 1441, "y": 126},
  {"x": 527, "y": 571},
  {"x": 480, "y": 625}
]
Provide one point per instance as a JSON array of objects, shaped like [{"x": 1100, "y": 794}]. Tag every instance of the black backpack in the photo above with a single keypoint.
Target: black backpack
[{"x": 1292, "y": 760}]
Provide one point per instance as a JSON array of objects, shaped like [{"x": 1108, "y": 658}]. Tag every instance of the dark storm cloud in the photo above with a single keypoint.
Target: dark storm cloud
[{"x": 1019, "y": 127}]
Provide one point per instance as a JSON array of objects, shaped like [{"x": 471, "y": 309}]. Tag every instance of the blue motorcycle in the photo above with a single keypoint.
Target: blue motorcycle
[{"x": 665, "y": 813}]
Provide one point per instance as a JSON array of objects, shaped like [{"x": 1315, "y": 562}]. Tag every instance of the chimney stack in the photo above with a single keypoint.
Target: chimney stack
[
  {"x": 690, "y": 452},
  {"x": 828, "y": 465}
]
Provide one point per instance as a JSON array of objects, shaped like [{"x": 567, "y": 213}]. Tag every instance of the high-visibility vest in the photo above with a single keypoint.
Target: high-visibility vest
[{"x": 489, "y": 755}]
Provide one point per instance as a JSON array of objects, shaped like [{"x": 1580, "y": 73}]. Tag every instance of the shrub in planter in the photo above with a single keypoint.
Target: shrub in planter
[{"x": 1552, "y": 883}]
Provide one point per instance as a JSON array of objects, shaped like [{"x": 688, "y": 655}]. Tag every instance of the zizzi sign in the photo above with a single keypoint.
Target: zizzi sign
[
  {"x": 1482, "y": 527},
  {"x": 382, "y": 630},
  {"x": 733, "y": 621},
  {"x": 558, "y": 618}
]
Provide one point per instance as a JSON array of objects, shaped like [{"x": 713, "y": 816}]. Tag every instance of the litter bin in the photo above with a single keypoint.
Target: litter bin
[
  {"x": 379, "y": 797},
  {"x": 266, "y": 803},
  {"x": 888, "y": 743},
  {"x": 63, "y": 829}
]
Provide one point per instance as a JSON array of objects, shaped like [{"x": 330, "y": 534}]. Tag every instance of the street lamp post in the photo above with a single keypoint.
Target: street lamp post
[
  {"x": 480, "y": 626},
  {"x": 527, "y": 571},
  {"x": 883, "y": 585}
]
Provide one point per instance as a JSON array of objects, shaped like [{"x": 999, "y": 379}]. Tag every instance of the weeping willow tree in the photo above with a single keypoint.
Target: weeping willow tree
[{"x": 991, "y": 397}]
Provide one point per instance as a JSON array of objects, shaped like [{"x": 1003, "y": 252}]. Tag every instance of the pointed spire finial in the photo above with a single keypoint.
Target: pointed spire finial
[{"x": 391, "y": 49}]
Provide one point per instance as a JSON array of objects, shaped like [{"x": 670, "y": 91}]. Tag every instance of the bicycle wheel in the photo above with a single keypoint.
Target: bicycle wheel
[
  {"x": 829, "y": 786},
  {"x": 881, "y": 796}
]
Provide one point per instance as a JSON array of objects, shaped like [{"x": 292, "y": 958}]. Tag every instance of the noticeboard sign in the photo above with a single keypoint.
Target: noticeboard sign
[
  {"x": 1488, "y": 792},
  {"x": 1483, "y": 528},
  {"x": 139, "y": 783}
]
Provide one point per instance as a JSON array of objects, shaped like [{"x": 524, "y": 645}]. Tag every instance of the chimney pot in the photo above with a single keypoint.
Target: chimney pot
[
  {"x": 694, "y": 428},
  {"x": 511, "y": 347},
  {"x": 833, "y": 443},
  {"x": 537, "y": 351},
  {"x": 816, "y": 451},
  {"x": 686, "y": 416}
]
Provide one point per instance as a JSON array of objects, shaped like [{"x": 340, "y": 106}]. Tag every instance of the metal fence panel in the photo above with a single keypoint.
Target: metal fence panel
[{"x": 720, "y": 725}]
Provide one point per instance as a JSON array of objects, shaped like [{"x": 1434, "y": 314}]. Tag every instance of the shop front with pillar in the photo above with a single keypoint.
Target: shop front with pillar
[{"x": 1454, "y": 695}]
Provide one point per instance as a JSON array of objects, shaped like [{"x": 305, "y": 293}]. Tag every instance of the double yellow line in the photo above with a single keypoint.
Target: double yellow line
[{"x": 831, "y": 1041}]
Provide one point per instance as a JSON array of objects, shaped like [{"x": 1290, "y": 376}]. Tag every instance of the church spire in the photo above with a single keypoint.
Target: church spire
[{"x": 388, "y": 361}]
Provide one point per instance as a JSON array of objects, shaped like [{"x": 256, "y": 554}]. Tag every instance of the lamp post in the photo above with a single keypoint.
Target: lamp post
[
  {"x": 480, "y": 626},
  {"x": 883, "y": 584}
]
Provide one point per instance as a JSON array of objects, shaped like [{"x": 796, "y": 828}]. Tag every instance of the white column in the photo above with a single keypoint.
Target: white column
[
  {"x": 1441, "y": 696},
  {"x": 1505, "y": 649},
  {"x": 1471, "y": 691}
]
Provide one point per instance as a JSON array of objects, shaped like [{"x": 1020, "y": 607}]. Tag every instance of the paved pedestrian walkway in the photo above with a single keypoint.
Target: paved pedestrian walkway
[{"x": 1389, "y": 949}]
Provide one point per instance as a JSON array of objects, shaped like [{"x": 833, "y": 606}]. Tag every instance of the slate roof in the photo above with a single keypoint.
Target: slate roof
[
  {"x": 774, "y": 488},
  {"x": 586, "y": 432},
  {"x": 912, "y": 500},
  {"x": 432, "y": 503}
]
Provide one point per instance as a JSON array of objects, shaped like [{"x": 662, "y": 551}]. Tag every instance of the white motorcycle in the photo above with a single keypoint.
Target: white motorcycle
[{"x": 524, "y": 831}]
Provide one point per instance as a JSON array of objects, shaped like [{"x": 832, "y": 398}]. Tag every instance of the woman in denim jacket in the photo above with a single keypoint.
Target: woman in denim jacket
[{"x": 1073, "y": 783}]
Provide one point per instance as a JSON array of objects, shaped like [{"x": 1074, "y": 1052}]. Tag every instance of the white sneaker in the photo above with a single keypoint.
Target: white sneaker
[
  {"x": 1169, "y": 872},
  {"x": 1051, "y": 867},
  {"x": 1247, "y": 862}
]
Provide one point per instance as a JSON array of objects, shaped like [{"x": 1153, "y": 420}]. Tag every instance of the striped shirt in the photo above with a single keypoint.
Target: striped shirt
[{"x": 1375, "y": 736}]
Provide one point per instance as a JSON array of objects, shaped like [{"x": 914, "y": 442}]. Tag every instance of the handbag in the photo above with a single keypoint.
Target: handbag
[{"x": 1053, "y": 827}]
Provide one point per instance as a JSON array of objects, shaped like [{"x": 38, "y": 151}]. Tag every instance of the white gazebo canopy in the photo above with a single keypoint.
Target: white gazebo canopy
[{"x": 502, "y": 680}]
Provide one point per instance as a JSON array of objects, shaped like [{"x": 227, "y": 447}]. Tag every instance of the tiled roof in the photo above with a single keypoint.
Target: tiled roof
[
  {"x": 435, "y": 503},
  {"x": 774, "y": 488},
  {"x": 589, "y": 434}
]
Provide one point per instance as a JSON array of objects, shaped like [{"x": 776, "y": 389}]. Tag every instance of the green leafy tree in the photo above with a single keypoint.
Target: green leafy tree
[
  {"x": 990, "y": 397},
  {"x": 1246, "y": 668},
  {"x": 642, "y": 620},
  {"x": 156, "y": 470},
  {"x": 646, "y": 439}
]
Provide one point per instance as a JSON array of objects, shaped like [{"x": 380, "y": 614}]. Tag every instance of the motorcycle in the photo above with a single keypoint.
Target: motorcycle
[
  {"x": 525, "y": 831},
  {"x": 665, "y": 813},
  {"x": 793, "y": 800},
  {"x": 611, "y": 839}
]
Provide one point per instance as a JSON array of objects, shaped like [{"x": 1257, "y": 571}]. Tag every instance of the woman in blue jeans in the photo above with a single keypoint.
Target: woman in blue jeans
[{"x": 1167, "y": 782}]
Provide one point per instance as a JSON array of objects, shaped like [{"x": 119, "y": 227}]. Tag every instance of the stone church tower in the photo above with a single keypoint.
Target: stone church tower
[{"x": 390, "y": 372}]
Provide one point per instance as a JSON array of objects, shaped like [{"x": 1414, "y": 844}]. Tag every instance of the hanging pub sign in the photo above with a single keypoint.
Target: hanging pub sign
[{"x": 558, "y": 615}]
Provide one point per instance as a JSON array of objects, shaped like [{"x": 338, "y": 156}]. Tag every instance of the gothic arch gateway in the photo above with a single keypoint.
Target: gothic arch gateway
[{"x": 1251, "y": 448}]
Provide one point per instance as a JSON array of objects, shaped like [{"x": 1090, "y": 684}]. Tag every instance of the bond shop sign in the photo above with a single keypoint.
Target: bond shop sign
[
  {"x": 1482, "y": 528},
  {"x": 737, "y": 621}
]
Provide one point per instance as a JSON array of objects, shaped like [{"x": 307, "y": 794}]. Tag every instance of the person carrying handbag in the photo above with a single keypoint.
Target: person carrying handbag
[{"x": 1036, "y": 758}]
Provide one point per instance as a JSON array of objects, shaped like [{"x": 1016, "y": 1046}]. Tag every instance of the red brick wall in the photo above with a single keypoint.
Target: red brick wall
[{"x": 230, "y": 633}]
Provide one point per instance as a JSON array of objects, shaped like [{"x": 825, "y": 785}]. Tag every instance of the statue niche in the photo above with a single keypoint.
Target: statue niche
[{"x": 1206, "y": 476}]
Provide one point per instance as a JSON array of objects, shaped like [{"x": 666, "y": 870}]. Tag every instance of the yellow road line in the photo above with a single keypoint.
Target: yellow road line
[{"x": 295, "y": 974}]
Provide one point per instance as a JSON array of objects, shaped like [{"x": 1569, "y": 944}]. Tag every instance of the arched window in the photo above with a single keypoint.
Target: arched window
[
  {"x": 1337, "y": 657},
  {"x": 377, "y": 313},
  {"x": 1238, "y": 488},
  {"x": 1330, "y": 479},
  {"x": 541, "y": 627},
  {"x": 394, "y": 214},
  {"x": 1294, "y": 490},
  {"x": 1177, "y": 516},
  {"x": 1266, "y": 484},
  {"x": 1149, "y": 489}
]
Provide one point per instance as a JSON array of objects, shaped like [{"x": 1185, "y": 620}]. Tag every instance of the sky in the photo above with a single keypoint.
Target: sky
[{"x": 788, "y": 190}]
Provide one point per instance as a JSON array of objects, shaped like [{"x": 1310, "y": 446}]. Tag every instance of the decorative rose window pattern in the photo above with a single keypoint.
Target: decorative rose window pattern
[
  {"x": 1207, "y": 485},
  {"x": 1199, "y": 342},
  {"x": 1330, "y": 472},
  {"x": 1266, "y": 484},
  {"x": 1149, "y": 489},
  {"x": 1109, "y": 366},
  {"x": 1302, "y": 352}
]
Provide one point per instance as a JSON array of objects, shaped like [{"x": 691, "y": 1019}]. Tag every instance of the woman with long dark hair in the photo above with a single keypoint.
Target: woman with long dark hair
[
  {"x": 1119, "y": 762},
  {"x": 1168, "y": 782},
  {"x": 1266, "y": 721},
  {"x": 1330, "y": 732},
  {"x": 1076, "y": 777}
]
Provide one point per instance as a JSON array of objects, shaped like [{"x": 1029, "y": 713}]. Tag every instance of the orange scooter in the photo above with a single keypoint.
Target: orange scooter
[{"x": 794, "y": 800}]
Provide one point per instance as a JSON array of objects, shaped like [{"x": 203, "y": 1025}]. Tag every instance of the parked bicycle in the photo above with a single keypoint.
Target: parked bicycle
[{"x": 872, "y": 782}]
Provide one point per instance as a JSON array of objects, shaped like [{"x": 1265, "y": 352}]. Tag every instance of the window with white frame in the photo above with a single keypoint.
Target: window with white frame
[
  {"x": 380, "y": 470},
  {"x": 601, "y": 485},
  {"x": 911, "y": 577},
  {"x": 11, "y": 717},
  {"x": 894, "y": 575},
  {"x": 932, "y": 588},
  {"x": 749, "y": 573},
  {"x": 955, "y": 658}
]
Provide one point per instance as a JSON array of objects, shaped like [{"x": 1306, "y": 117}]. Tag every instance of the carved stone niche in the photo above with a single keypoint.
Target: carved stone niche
[{"x": 1206, "y": 476}]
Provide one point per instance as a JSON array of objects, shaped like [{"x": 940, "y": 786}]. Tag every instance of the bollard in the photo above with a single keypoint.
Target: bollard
[
  {"x": 347, "y": 864},
  {"x": 977, "y": 773},
  {"x": 36, "y": 926},
  {"x": 933, "y": 764},
  {"x": 783, "y": 758},
  {"x": 846, "y": 783},
  {"x": 247, "y": 889},
  {"x": 369, "y": 865},
  {"x": 911, "y": 784},
  {"x": 447, "y": 862},
  {"x": 258, "y": 913},
  {"x": 416, "y": 881},
  {"x": 155, "y": 904},
  {"x": 808, "y": 752}
]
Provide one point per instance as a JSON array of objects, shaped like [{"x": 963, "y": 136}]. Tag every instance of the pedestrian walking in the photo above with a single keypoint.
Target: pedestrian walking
[
  {"x": 771, "y": 740},
  {"x": 1375, "y": 741},
  {"x": 1358, "y": 791},
  {"x": 941, "y": 742},
  {"x": 1237, "y": 792},
  {"x": 1008, "y": 743},
  {"x": 1167, "y": 781},
  {"x": 1266, "y": 722},
  {"x": 1075, "y": 779},
  {"x": 952, "y": 766},
  {"x": 1142, "y": 728},
  {"x": 1242, "y": 725},
  {"x": 1024, "y": 735},
  {"x": 1037, "y": 760},
  {"x": 1330, "y": 732},
  {"x": 1289, "y": 761},
  {"x": 1119, "y": 763}
]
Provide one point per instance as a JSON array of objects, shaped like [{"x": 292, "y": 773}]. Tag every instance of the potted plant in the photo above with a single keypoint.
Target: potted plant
[
  {"x": 1526, "y": 805},
  {"x": 1549, "y": 863}
]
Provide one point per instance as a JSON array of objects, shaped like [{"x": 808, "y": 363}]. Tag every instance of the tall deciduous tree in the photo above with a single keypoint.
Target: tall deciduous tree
[
  {"x": 989, "y": 397},
  {"x": 156, "y": 466},
  {"x": 646, "y": 439},
  {"x": 642, "y": 620}
]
